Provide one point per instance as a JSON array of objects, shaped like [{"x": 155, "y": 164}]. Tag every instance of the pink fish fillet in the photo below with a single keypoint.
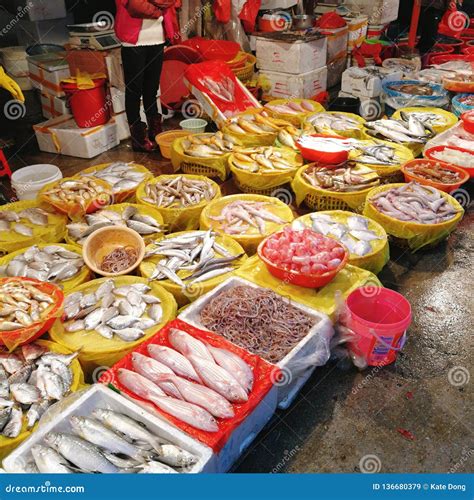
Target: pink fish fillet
[
  {"x": 218, "y": 379},
  {"x": 182, "y": 341},
  {"x": 139, "y": 385},
  {"x": 202, "y": 396},
  {"x": 174, "y": 360},
  {"x": 152, "y": 369},
  {"x": 235, "y": 365}
]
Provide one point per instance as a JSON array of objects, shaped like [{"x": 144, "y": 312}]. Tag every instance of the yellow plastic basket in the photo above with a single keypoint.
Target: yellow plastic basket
[
  {"x": 53, "y": 232},
  {"x": 246, "y": 73},
  {"x": 323, "y": 199},
  {"x": 412, "y": 235},
  {"x": 380, "y": 254},
  {"x": 294, "y": 119},
  {"x": 179, "y": 219},
  {"x": 355, "y": 133},
  {"x": 120, "y": 196},
  {"x": 83, "y": 275},
  {"x": 97, "y": 351},
  {"x": 252, "y": 238},
  {"x": 192, "y": 292},
  {"x": 7, "y": 445},
  {"x": 207, "y": 167},
  {"x": 450, "y": 118}
]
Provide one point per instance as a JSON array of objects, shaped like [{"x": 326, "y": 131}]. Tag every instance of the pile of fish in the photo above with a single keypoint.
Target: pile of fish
[
  {"x": 353, "y": 233},
  {"x": 120, "y": 175},
  {"x": 292, "y": 107},
  {"x": 342, "y": 179},
  {"x": 254, "y": 124},
  {"x": 420, "y": 88},
  {"x": 323, "y": 122},
  {"x": 262, "y": 160},
  {"x": 130, "y": 217},
  {"x": 209, "y": 146},
  {"x": 434, "y": 171},
  {"x": 460, "y": 158},
  {"x": 459, "y": 137},
  {"x": 414, "y": 203},
  {"x": 397, "y": 64},
  {"x": 77, "y": 191},
  {"x": 193, "y": 256},
  {"x": 467, "y": 99},
  {"x": 15, "y": 221},
  {"x": 223, "y": 89},
  {"x": 51, "y": 263},
  {"x": 179, "y": 192},
  {"x": 193, "y": 381},
  {"x": 378, "y": 154},
  {"x": 107, "y": 442},
  {"x": 31, "y": 379},
  {"x": 289, "y": 135},
  {"x": 22, "y": 303},
  {"x": 410, "y": 129},
  {"x": 239, "y": 216},
  {"x": 125, "y": 311},
  {"x": 425, "y": 117}
]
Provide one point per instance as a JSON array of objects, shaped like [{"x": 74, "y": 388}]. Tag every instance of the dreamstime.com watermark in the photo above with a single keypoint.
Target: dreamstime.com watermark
[
  {"x": 21, "y": 13},
  {"x": 467, "y": 455},
  {"x": 46, "y": 487},
  {"x": 366, "y": 380},
  {"x": 287, "y": 456}
]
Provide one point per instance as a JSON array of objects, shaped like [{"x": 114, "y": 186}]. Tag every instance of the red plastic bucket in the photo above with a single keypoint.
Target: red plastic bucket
[
  {"x": 88, "y": 106},
  {"x": 379, "y": 318}
]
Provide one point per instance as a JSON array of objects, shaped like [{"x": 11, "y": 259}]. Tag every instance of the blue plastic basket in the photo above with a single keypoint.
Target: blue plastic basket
[{"x": 458, "y": 107}]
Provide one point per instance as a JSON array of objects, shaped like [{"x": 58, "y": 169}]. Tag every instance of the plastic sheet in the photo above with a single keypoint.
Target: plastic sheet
[
  {"x": 83, "y": 275},
  {"x": 11, "y": 241},
  {"x": 179, "y": 219},
  {"x": 192, "y": 292},
  {"x": 250, "y": 240},
  {"x": 321, "y": 299},
  {"x": 96, "y": 351},
  {"x": 397, "y": 100},
  {"x": 373, "y": 261},
  {"x": 411, "y": 234},
  {"x": 263, "y": 372},
  {"x": 7, "y": 445}
]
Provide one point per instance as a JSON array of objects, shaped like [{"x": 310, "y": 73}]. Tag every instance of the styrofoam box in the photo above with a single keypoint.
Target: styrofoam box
[
  {"x": 100, "y": 396},
  {"x": 370, "y": 86},
  {"x": 42, "y": 10},
  {"x": 53, "y": 106},
  {"x": 337, "y": 41},
  {"x": 61, "y": 135},
  {"x": 123, "y": 130},
  {"x": 291, "y": 57},
  {"x": 113, "y": 60},
  {"x": 291, "y": 363},
  {"x": 284, "y": 85},
  {"x": 117, "y": 97},
  {"x": 378, "y": 11},
  {"x": 443, "y": 139},
  {"x": 46, "y": 72}
]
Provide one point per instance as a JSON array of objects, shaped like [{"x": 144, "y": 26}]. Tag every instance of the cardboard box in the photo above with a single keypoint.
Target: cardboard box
[
  {"x": 337, "y": 41},
  {"x": 378, "y": 11},
  {"x": 123, "y": 131},
  {"x": 62, "y": 136},
  {"x": 35, "y": 32},
  {"x": 53, "y": 106},
  {"x": 47, "y": 70},
  {"x": 86, "y": 61},
  {"x": 41, "y": 10},
  {"x": 357, "y": 31},
  {"x": 291, "y": 57},
  {"x": 284, "y": 85},
  {"x": 354, "y": 81},
  {"x": 117, "y": 99},
  {"x": 113, "y": 61}
]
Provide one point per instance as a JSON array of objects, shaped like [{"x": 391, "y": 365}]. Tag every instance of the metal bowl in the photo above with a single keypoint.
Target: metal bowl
[{"x": 302, "y": 22}]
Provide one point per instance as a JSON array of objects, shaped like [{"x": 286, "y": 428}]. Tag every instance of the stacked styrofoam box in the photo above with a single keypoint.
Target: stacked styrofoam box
[
  {"x": 292, "y": 68},
  {"x": 314, "y": 345},
  {"x": 378, "y": 11},
  {"x": 100, "y": 396},
  {"x": 336, "y": 53},
  {"x": 46, "y": 72},
  {"x": 15, "y": 64}
]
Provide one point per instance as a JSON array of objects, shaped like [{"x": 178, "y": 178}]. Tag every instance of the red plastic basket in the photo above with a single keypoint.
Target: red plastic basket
[
  {"x": 429, "y": 154},
  {"x": 443, "y": 58},
  {"x": 324, "y": 157}
]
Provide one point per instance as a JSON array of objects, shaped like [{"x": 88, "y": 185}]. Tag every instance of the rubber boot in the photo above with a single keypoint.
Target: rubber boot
[
  {"x": 140, "y": 141},
  {"x": 154, "y": 126}
]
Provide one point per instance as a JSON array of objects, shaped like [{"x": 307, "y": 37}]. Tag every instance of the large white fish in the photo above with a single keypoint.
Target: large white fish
[
  {"x": 183, "y": 342},
  {"x": 174, "y": 360},
  {"x": 139, "y": 385}
]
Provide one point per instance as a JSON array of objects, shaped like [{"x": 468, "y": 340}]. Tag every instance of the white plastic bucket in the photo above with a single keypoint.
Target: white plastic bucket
[
  {"x": 28, "y": 181},
  {"x": 194, "y": 125}
]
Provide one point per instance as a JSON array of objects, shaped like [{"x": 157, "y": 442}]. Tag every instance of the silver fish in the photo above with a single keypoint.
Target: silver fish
[
  {"x": 25, "y": 393},
  {"x": 49, "y": 461},
  {"x": 13, "y": 427},
  {"x": 178, "y": 363}
]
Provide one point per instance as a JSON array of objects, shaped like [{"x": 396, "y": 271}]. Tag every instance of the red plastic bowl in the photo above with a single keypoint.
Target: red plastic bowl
[
  {"x": 429, "y": 154},
  {"x": 447, "y": 188},
  {"x": 441, "y": 59},
  {"x": 468, "y": 121},
  {"x": 468, "y": 49},
  {"x": 327, "y": 158},
  {"x": 295, "y": 278},
  {"x": 224, "y": 50}
]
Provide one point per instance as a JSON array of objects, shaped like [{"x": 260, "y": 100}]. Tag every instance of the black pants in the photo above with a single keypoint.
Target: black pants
[{"x": 142, "y": 72}]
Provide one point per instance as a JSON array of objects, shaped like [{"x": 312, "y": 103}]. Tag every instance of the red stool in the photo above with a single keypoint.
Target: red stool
[{"x": 4, "y": 167}]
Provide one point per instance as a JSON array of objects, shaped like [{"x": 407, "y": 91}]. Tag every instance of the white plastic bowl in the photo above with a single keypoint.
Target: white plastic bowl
[
  {"x": 28, "y": 181},
  {"x": 194, "y": 125}
]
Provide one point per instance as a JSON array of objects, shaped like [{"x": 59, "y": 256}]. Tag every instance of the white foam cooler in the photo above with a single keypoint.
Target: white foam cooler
[{"x": 315, "y": 343}]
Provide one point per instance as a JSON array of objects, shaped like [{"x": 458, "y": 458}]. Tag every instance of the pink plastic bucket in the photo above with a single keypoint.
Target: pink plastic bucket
[{"x": 379, "y": 318}]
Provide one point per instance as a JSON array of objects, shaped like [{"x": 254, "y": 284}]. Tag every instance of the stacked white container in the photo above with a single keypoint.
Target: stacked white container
[{"x": 16, "y": 65}]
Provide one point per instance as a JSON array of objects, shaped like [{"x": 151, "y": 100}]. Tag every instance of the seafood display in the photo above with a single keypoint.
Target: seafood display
[
  {"x": 238, "y": 217},
  {"x": 120, "y": 175},
  {"x": 292, "y": 107},
  {"x": 303, "y": 251},
  {"x": 258, "y": 320},
  {"x": 119, "y": 259},
  {"x": 22, "y": 304},
  {"x": 131, "y": 217},
  {"x": 179, "y": 192},
  {"x": 263, "y": 160},
  {"x": 426, "y": 118},
  {"x": 189, "y": 258},
  {"x": 413, "y": 202},
  {"x": 52, "y": 263},
  {"x": 459, "y": 158},
  {"x": 468, "y": 99},
  {"x": 20, "y": 222},
  {"x": 121, "y": 311},
  {"x": 223, "y": 89},
  {"x": 326, "y": 144},
  {"x": 409, "y": 129},
  {"x": 254, "y": 123},
  {"x": 343, "y": 179},
  {"x": 323, "y": 122},
  {"x": 107, "y": 441},
  {"x": 434, "y": 171},
  {"x": 289, "y": 135},
  {"x": 377, "y": 154},
  {"x": 192, "y": 380},
  {"x": 209, "y": 145},
  {"x": 421, "y": 88},
  {"x": 31, "y": 379}
]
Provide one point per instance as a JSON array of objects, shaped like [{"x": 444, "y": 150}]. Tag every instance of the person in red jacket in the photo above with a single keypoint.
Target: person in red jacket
[{"x": 139, "y": 26}]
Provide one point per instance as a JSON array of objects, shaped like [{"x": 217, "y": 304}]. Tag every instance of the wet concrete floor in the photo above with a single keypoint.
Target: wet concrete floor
[{"x": 413, "y": 416}]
